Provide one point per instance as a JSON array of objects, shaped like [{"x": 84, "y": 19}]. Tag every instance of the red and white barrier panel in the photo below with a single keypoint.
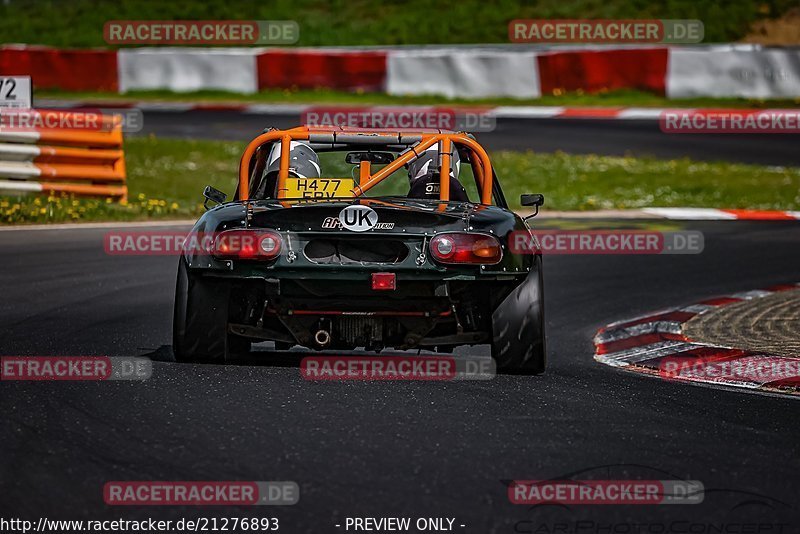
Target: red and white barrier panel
[
  {"x": 184, "y": 70},
  {"x": 592, "y": 71},
  {"x": 744, "y": 71},
  {"x": 308, "y": 68},
  {"x": 46, "y": 151},
  {"x": 749, "y": 71},
  {"x": 69, "y": 70},
  {"x": 462, "y": 74},
  {"x": 655, "y": 344}
]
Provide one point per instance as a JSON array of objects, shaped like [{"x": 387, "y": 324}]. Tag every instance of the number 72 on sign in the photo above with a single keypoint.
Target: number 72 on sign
[{"x": 15, "y": 92}]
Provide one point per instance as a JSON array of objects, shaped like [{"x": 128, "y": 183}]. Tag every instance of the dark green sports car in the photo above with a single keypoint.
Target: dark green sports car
[{"x": 407, "y": 252}]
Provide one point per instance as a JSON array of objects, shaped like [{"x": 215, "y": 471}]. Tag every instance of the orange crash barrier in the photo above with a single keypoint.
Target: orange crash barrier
[{"x": 62, "y": 152}]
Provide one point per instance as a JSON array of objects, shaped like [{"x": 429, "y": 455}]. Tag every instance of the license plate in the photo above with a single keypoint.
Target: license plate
[{"x": 319, "y": 187}]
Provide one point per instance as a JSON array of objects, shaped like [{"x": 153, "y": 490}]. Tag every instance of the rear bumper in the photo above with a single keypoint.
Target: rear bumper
[{"x": 423, "y": 310}]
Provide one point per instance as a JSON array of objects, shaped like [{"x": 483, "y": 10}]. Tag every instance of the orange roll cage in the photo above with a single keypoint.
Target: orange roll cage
[{"x": 481, "y": 165}]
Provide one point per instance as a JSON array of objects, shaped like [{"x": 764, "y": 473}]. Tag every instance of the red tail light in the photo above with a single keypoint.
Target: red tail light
[
  {"x": 455, "y": 248},
  {"x": 247, "y": 245}
]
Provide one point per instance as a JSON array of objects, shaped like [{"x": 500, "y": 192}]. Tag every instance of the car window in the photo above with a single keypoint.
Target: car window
[
  {"x": 333, "y": 169},
  {"x": 333, "y": 165}
]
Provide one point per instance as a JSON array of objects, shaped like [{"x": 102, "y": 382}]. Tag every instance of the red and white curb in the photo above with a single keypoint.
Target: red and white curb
[
  {"x": 714, "y": 214},
  {"x": 643, "y": 344},
  {"x": 500, "y": 112}
]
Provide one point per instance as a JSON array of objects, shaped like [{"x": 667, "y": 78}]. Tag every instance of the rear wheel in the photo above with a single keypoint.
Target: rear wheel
[
  {"x": 200, "y": 320},
  {"x": 518, "y": 344}
]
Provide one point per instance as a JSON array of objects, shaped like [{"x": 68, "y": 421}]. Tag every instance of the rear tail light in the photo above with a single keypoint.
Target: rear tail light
[
  {"x": 247, "y": 245},
  {"x": 454, "y": 248}
]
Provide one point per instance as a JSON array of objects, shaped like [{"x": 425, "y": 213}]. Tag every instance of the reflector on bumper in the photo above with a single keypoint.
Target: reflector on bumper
[{"x": 384, "y": 282}]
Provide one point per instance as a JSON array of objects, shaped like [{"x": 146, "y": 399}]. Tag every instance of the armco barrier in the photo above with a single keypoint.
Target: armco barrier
[
  {"x": 188, "y": 69},
  {"x": 604, "y": 70},
  {"x": 82, "y": 162},
  {"x": 463, "y": 74},
  {"x": 308, "y": 68},
  {"x": 742, "y": 71},
  {"x": 68, "y": 70},
  {"x": 517, "y": 71}
]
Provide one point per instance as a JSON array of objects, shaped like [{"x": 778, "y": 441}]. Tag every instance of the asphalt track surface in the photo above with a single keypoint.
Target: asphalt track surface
[
  {"x": 410, "y": 449},
  {"x": 575, "y": 136}
]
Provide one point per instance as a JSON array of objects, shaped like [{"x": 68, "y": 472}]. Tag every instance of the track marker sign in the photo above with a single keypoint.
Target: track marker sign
[{"x": 15, "y": 92}]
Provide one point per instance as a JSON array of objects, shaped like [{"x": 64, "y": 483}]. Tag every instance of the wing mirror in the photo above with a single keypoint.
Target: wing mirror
[
  {"x": 535, "y": 200},
  {"x": 213, "y": 195}
]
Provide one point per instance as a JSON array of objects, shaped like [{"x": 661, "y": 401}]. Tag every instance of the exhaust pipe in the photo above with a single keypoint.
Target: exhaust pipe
[{"x": 323, "y": 338}]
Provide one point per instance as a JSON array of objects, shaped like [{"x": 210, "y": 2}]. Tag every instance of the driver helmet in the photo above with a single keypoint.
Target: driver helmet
[
  {"x": 428, "y": 162},
  {"x": 303, "y": 161}
]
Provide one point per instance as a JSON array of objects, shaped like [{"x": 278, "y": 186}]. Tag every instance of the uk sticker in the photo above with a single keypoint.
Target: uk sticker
[
  {"x": 357, "y": 219},
  {"x": 15, "y": 92}
]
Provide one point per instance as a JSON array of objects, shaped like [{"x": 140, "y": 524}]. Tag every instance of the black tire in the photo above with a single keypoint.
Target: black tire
[
  {"x": 518, "y": 344},
  {"x": 200, "y": 320}
]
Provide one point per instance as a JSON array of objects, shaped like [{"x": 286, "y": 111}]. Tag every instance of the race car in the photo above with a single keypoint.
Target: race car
[{"x": 405, "y": 252}]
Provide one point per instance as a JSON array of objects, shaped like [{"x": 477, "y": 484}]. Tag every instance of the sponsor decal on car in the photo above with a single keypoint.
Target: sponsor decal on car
[{"x": 356, "y": 219}]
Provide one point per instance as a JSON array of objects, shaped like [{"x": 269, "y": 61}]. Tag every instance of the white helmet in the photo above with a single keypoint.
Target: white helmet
[
  {"x": 303, "y": 161},
  {"x": 428, "y": 161}
]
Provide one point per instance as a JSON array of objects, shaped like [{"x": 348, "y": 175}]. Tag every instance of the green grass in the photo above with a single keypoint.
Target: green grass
[
  {"x": 166, "y": 177},
  {"x": 79, "y": 23},
  {"x": 329, "y": 96},
  {"x": 604, "y": 182}
]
